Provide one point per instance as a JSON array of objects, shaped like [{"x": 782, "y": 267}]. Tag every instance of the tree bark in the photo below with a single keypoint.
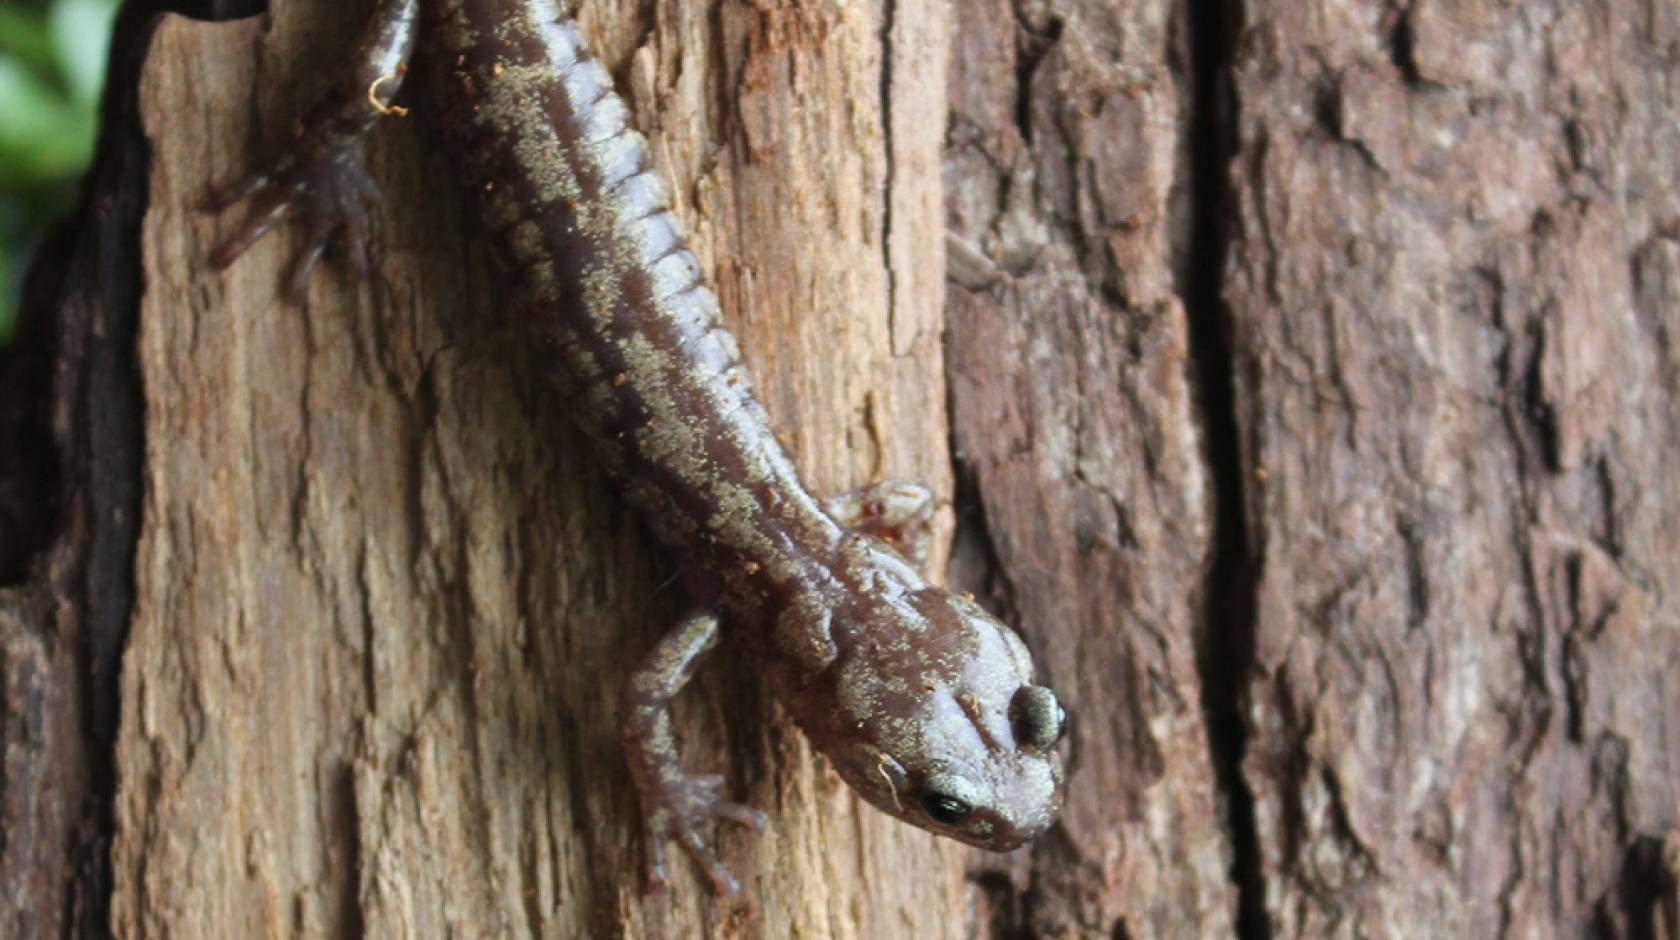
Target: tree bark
[
  {"x": 1455, "y": 288},
  {"x": 385, "y": 598},
  {"x": 1304, "y": 377},
  {"x": 1079, "y": 441}
]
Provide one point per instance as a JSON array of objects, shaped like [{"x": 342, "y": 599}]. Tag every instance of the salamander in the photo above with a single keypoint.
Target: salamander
[{"x": 924, "y": 702}]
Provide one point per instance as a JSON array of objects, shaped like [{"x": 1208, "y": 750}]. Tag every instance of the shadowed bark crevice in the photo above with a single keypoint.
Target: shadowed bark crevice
[{"x": 1226, "y": 657}]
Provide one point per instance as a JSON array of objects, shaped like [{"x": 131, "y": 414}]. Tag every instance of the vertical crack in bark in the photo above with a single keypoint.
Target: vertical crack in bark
[
  {"x": 1402, "y": 48},
  {"x": 889, "y": 16},
  {"x": 1226, "y": 653},
  {"x": 114, "y": 427}
]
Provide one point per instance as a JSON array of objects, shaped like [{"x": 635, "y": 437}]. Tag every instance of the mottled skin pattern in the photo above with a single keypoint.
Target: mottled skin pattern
[{"x": 923, "y": 702}]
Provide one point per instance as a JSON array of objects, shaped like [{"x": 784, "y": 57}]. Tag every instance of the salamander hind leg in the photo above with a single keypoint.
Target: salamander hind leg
[
  {"x": 897, "y": 511},
  {"x": 675, "y": 804},
  {"x": 320, "y": 179}
]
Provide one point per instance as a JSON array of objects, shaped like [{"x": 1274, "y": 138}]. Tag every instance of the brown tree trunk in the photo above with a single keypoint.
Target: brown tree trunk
[
  {"x": 1455, "y": 293},
  {"x": 1078, "y": 438},
  {"x": 385, "y": 599},
  {"x": 1307, "y": 381}
]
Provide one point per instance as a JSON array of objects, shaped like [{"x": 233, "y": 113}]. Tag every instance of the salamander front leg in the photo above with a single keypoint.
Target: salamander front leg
[
  {"x": 320, "y": 179},
  {"x": 898, "y": 511},
  {"x": 674, "y": 804}
]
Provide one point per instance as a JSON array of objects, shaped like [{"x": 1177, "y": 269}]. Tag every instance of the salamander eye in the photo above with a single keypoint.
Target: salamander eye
[
  {"x": 1038, "y": 719},
  {"x": 945, "y": 809}
]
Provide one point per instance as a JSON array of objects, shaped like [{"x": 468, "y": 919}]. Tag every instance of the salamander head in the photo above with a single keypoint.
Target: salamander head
[{"x": 939, "y": 722}]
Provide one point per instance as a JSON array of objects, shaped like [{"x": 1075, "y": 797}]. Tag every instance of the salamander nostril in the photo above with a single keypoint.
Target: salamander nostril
[{"x": 1036, "y": 716}]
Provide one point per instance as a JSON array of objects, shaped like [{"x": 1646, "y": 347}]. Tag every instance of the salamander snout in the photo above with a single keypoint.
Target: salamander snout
[
  {"x": 929, "y": 707},
  {"x": 967, "y": 745},
  {"x": 1002, "y": 795}
]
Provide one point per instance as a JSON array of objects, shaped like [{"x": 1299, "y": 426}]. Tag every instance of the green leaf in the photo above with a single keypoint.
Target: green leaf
[
  {"x": 44, "y": 136},
  {"x": 25, "y": 38},
  {"x": 81, "y": 31},
  {"x": 8, "y": 302}
]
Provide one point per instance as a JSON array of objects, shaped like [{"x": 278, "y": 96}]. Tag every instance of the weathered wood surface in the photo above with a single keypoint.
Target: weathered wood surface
[{"x": 385, "y": 599}]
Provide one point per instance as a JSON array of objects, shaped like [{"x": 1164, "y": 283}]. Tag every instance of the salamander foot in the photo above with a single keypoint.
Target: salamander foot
[
  {"x": 325, "y": 188},
  {"x": 682, "y": 807}
]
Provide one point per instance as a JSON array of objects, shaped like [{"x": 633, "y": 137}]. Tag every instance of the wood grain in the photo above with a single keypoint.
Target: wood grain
[{"x": 385, "y": 599}]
